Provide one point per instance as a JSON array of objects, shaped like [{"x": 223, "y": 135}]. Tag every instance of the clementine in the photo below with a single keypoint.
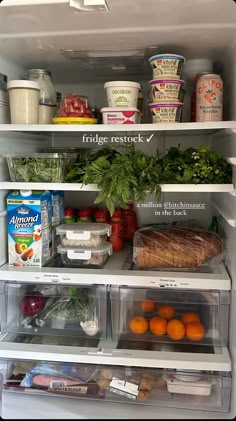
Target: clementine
[
  {"x": 175, "y": 329},
  {"x": 195, "y": 331},
  {"x": 148, "y": 305},
  {"x": 190, "y": 317},
  {"x": 138, "y": 324},
  {"x": 166, "y": 311},
  {"x": 157, "y": 325}
]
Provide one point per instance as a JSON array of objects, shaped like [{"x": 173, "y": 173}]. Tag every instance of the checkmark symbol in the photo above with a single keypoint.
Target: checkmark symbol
[{"x": 149, "y": 138}]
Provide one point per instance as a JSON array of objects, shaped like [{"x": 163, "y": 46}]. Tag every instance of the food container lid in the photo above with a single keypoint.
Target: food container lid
[
  {"x": 167, "y": 80},
  {"x": 167, "y": 55},
  {"x": 74, "y": 120},
  {"x": 83, "y": 231},
  {"x": 42, "y": 155},
  {"x": 122, "y": 83},
  {"x": 166, "y": 104},
  {"x": 85, "y": 253},
  {"x": 23, "y": 84},
  {"x": 119, "y": 109}
]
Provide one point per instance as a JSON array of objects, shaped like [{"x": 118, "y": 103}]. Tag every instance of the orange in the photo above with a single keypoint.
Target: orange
[
  {"x": 167, "y": 312},
  {"x": 157, "y": 325},
  {"x": 175, "y": 329},
  {"x": 148, "y": 306},
  {"x": 190, "y": 317},
  {"x": 195, "y": 331},
  {"x": 138, "y": 324}
]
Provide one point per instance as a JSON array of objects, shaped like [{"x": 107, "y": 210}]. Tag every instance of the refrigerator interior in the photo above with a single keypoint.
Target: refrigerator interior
[{"x": 26, "y": 42}]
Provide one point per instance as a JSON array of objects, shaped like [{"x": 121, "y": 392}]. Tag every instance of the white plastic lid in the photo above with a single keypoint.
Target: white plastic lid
[
  {"x": 28, "y": 84},
  {"x": 85, "y": 253},
  {"x": 26, "y": 193},
  {"x": 83, "y": 231},
  {"x": 122, "y": 83},
  {"x": 119, "y": 109}
]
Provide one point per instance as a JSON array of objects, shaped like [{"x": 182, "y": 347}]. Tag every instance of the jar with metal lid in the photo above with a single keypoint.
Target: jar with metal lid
[{"x": 48, "y": 96}]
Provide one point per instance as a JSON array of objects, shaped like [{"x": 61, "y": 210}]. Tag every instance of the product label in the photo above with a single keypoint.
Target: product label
[
  {"x": 166, "y": 91},
  {"x": 167, "y": 67},
  {"x": 124, "y": 388},
  {"x": 29, "y": 225},
  {"x": 209, "y": 99},
  {"x": 166, "y": 114}
]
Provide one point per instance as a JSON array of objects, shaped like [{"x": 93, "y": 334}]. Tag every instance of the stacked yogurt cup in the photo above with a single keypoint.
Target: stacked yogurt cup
[
  {"x": 122, "y": 98},
  {"x": 167, "y": 92}
]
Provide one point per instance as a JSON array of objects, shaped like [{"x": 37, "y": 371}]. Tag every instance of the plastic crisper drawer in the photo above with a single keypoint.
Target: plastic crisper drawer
[
  {"x": 156, "y": 387},
  {"x": 54, "y": 310},
  {"x": 171, "y": 316}
]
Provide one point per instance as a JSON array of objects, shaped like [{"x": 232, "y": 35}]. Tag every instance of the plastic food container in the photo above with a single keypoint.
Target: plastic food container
[
  {"x": 122, "y": 94},
  {"x": 167, "y": 90},
  {"x": 38, "y": 167},
  {"x": 85, "y": 257},
  {"x": 169, "y": 112},
  {"x": 118, "y": 115},
  {"x": 188, "y": 386},
  {"x": 24, "y": 101},
  {"x": 83, "y": 234},
  {"x": 167, "y": 66}
]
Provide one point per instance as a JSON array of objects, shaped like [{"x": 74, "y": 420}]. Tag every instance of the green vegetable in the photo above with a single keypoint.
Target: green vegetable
[{"x": 38, "y": 169}]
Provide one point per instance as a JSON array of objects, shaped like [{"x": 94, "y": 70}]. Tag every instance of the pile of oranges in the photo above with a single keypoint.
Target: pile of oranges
[{"x": 166, "y": 323}]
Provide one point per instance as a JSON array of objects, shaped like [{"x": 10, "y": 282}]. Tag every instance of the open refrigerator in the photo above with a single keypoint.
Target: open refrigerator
[{"x": 85, "y": 44}]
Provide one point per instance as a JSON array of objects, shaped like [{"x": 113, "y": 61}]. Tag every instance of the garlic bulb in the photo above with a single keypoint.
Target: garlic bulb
[{"x": 90, "y": 327}]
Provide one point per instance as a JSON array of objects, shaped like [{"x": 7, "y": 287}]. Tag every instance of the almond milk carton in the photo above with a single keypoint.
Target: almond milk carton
[{"x": 29, "y": 228}]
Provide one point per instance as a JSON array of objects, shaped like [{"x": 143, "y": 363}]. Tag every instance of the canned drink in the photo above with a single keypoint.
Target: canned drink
[{"x": 209, "y": 97}]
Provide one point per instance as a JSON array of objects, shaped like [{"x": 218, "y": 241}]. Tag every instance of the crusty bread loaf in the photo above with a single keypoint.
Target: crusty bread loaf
[{"x": 174, "y": 247}]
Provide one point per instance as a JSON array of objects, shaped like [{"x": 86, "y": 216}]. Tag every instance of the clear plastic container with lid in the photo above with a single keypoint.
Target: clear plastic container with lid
[
  {"x": 48, "y": 95},
  {"x": 83, "y": 234},
  {"x": 85, "y": 257}
]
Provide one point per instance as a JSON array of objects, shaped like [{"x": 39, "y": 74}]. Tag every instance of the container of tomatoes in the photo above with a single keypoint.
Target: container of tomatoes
[{"x": 75, "y": 109}]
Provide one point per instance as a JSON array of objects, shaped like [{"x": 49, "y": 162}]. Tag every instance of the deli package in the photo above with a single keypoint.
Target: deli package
[{"x": 163, "y": 247}]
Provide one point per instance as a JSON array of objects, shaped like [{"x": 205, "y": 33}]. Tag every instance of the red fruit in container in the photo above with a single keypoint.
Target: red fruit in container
[
  {"x": 33, "y": 304},
  {"x": 69, "y": 99}
]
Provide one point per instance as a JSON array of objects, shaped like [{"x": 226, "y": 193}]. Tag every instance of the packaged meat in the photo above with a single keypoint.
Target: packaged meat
[{"x": 175, "y": 247}]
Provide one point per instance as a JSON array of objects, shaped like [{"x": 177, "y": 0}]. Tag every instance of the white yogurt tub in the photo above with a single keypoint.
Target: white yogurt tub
[
  {"x": 24, "y": 101},
  {"x": 166, "y": 112},
  {"x": 167, "y": 66},
  {"x": 167, "y": 90},
  {"x": 120, "y": 115},
  {"x": 122, "y": 94}
]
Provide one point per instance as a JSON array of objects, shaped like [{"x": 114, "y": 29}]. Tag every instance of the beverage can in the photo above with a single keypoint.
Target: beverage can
[{"x": 209, "y": 97}]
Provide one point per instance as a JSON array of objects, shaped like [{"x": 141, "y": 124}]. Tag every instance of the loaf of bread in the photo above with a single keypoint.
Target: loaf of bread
[{"x": 174, "y": 247}]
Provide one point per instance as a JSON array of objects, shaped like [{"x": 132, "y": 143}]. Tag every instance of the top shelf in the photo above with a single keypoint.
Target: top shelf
[{"x": 36, "y": 128}]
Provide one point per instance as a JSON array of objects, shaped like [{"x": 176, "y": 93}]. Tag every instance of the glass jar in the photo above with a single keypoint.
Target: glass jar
[{"x": 48, "y": 96}]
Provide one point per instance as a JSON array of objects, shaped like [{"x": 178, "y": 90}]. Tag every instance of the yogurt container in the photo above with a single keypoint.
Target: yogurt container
[
  {"x": 120, "y": 115},
  {"x": 122, "y": 94},
  {"x": 167, "y": 66},
  {"x": 24, "y": 101},
  {"x": 166, "y": 112},
  {"x": 167, "y": 90}
]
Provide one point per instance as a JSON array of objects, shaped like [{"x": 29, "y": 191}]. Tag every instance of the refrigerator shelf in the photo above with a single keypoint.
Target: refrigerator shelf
[
  {"x": 118, "y": 271},
  {"x": 168, "y": 127},
  {"x": 175, "y": 188}
]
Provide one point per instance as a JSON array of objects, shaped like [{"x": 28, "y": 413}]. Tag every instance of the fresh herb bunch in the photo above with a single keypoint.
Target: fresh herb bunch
[
  {"x": 122, "y": 176},
  {"x": 194, "y": 166}
]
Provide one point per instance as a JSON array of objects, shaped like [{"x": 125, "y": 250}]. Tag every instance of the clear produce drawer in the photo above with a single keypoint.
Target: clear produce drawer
[
  {"x": 172, "y": 316},
  {"x": 54, "y": 310},
  {"x": 140, "y": 386}
]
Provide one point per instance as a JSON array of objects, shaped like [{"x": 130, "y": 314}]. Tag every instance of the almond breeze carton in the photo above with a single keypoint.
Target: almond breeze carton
[
  {"x": 29, "y": 228},
  {"x": 57, "y": 216}
]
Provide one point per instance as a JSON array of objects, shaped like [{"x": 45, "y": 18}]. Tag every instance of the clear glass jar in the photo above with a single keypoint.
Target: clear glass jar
[{"x": 48, "y": 96}]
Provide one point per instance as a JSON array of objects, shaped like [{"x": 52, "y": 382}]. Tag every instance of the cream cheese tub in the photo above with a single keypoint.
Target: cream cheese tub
[
  {"x": 167, "y": 66},
  {"x": 120, "y": 115},
  {"x": 168, "y": 112},
  {"x": 167, "y": 90},
  {"x": 24, "y": 101},
  {"x": 122, "y": 94}
]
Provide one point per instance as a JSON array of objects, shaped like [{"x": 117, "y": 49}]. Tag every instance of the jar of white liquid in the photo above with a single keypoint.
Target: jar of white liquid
[
  {"x": 48, "y": 96},
  {"x": 24, "y": 101}
]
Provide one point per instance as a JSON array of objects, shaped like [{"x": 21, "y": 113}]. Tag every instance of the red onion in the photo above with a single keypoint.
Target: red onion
[{"x": 33, "y": 304}]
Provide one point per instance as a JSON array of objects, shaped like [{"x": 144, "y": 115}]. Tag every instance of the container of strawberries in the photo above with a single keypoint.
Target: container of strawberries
[{"x": 74, "y": 109}]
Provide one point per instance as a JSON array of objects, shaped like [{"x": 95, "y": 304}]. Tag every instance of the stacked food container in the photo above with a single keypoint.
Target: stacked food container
[
  {"x": 167, "y": 92},
  {"x": 84, "y": 244},
  {"x": 122, "y": 98}
]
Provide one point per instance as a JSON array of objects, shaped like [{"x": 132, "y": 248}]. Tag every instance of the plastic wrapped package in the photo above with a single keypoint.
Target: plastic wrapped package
[{"x": 175, "y": 247}]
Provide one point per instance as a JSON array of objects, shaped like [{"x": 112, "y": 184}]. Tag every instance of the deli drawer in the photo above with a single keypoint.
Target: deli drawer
[
  {"x": 54, "y": 310},
  {"x": 171, "y": 316},
  {"x": 198, "y": 390}
]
